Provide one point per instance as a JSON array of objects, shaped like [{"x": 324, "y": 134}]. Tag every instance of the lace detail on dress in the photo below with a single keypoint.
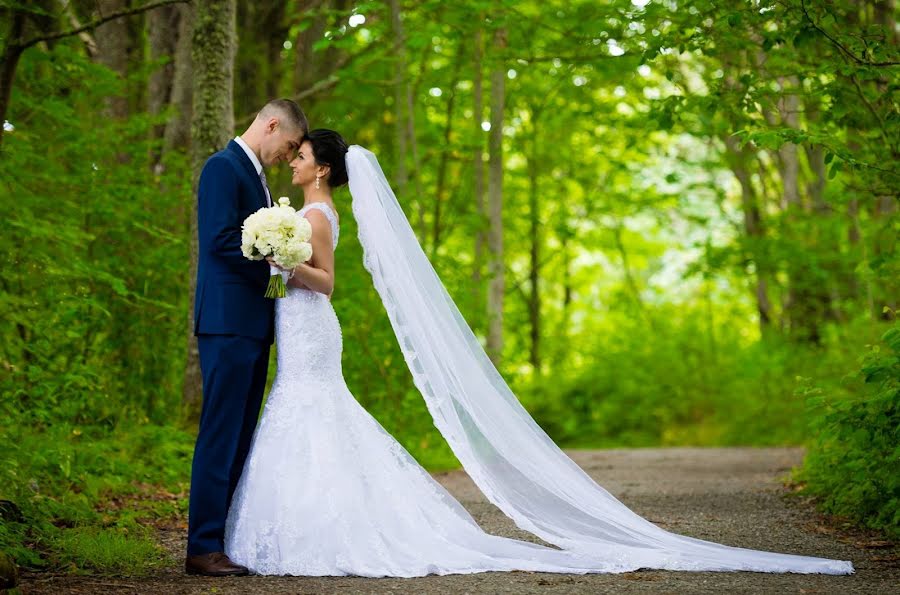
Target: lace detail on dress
[
  {"x": 332, "y": 218},
  {"x": 326, "y": 490}
]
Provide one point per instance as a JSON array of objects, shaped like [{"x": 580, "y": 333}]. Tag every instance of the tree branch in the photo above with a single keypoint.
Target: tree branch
[
  {"x": 838, "y": 44},
  {"x": 872, "y": 110},
  {"x": 322, "y": 85},
  {"x": 573, "y": 57},
  {"x": 96, "y": 23}
]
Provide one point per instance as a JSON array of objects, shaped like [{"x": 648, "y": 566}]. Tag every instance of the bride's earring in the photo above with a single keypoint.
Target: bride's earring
[{"x": 317, "y": 182}]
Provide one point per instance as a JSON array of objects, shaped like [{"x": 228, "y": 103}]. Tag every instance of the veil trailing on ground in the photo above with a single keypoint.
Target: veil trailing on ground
[{"x": 511, "y": 459}]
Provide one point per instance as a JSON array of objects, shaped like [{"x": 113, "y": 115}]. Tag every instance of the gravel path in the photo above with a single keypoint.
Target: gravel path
[{"x": 729, "y": 495}]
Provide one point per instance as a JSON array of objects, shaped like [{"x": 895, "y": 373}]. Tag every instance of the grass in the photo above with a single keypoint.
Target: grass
[
  {"x": 87, "y": 500},
  {"x": 109, "y": 551}
]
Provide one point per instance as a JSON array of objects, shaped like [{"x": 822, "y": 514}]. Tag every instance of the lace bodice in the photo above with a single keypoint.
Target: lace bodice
[
  {"x": 307, "y": 331},
  {"x": 329, "y": 214}
]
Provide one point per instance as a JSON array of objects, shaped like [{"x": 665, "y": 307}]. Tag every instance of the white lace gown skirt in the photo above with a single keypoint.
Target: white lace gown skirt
[{"x": 327, "y": 491}]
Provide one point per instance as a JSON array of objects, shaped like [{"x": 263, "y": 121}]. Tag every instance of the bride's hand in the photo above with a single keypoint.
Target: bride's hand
[{"x": 271, "y": 261}]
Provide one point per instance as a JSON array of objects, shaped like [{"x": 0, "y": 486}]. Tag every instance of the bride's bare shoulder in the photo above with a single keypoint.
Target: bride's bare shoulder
[{"x": 318, "y": 220}]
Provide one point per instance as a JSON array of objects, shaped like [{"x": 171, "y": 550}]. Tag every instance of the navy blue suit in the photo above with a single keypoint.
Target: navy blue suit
[{"x": 234, "y": 324}]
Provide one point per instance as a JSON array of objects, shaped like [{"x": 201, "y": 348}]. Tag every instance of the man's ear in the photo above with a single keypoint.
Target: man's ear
[{"x": 272, "y": 124}]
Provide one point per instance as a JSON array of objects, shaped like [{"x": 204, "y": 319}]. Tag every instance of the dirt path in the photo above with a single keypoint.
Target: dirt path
[{"x": 728, "y": 495}]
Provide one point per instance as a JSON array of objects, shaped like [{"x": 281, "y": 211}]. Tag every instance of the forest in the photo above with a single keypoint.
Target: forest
[{"x": 669, "y": 222}]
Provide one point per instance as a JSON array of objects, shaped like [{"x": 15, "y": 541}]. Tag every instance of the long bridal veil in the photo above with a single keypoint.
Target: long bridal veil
[{"x": 511, "y": 459}]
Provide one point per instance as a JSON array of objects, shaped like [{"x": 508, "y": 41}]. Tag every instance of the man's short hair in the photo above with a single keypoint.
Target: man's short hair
[{"x": 287, "y": 109}]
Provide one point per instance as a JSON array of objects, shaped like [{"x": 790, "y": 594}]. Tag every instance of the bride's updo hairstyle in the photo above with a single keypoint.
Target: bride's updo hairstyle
[{"x": 330, "y": 148}]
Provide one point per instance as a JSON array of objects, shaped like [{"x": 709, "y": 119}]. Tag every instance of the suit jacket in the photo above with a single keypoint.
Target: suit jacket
[{"x": 230, "y": 298}]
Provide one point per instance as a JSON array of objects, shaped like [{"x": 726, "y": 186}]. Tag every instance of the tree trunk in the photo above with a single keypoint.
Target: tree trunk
[
  {"x": 534, "y": 298},
  {"x": 400, "y": 103},
  {"x": 789, "y": 165},
  {"x": 177, "y": 134},
  {"x": 416, "y": 163},
  {"x": 478, "y": 173},
  {"x": 316, "y": 69},
  {"x": 806, "y": 302},
  {"x": 275, "y": 33},
  {"x": 565, "y": 234},
  {"x": 113, "y": 47},
  {"x": 753, "y": 227},
  {"x": 884, "y": 16},
  {"x": 535, "y": 241},
  {"x": 258, "y": 66},
  {"x": 440, "y": 190},
  {"x": 495, "y": 204},
  {"x": 9, "y": 60},
  {"x": 162, "y": 25},
  {"x": 308, "y": 70},
  {"x": 213, "y": 48}
]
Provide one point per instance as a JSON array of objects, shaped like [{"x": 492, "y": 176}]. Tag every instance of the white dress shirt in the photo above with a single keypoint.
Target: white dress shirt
[
  {"x": 249, "y": 153},
  {"x": 259, "y": 168}
]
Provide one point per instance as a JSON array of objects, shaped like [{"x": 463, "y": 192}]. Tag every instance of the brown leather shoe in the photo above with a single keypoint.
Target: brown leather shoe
[{"x": 214, "y": 564}]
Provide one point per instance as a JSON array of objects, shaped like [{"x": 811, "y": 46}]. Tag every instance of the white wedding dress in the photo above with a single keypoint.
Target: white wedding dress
[{"x": 327, "y": 491}]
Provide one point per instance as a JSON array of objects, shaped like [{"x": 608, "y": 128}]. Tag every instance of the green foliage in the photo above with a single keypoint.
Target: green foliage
[
  {"x": 93, "y": 282},
  {"x": 92, "y": 291},
  {"x": 682, "y": 383},
  {"x": 86, "y": 494},
  {"x": 109, "y": 551},
  {"x": 853, "y": 464}
]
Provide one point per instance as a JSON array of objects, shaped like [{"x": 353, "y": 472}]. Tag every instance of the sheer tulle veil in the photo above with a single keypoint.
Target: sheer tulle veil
[{"x": 511, "y": 459}]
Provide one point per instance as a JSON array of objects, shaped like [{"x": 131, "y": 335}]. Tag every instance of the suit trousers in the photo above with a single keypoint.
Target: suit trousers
[{"x": 234, "y": 378}]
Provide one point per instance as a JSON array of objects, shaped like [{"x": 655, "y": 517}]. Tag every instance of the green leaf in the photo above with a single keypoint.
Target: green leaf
[{"x": 835, "y": 169}]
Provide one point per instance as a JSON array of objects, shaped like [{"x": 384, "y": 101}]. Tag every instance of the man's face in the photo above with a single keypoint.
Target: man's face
[{"x": 280, "y": 142}]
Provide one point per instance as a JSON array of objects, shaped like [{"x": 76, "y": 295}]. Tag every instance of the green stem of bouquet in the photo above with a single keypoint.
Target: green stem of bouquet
[{"x": 276, "y": 287}]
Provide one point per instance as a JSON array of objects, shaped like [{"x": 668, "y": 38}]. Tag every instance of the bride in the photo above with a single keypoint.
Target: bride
[{"x": 326, "y": 490}]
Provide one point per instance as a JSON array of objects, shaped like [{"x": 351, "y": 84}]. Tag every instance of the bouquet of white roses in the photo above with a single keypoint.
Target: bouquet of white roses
[{"x": 277, "y": 231}]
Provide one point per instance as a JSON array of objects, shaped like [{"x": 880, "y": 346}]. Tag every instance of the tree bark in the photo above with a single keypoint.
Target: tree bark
[
  {"x": 400, "y": 104},
  {"x": 258, "y": 66},
  {"x": 440, "y": 190},
  {"x": 213, "y": 49},
  {"x": 534, "y": 265},
  {"x": 495, "y": 204},
  {"x": 9, "y": 61},
  {"x": 753, "y": 227},
  {"x": 478, "y": 172},
  {"x": 805, "y": 302},
  {"x": 276, "y": 33},
  {"x": 163, "y": 30},
  {"x": 565, "y": 234},
  {"x": 177, "y": 135},
  {"x": 113, "y": 48},
  {"x": 307, "y": 69},
  {"x": 416, "y": 163},
  {"x": 788, "y": 163}
]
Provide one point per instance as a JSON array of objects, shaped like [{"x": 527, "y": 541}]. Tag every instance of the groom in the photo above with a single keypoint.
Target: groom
[{"x": 234, "y": 324}]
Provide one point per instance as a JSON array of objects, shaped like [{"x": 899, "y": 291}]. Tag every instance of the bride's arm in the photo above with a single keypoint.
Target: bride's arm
[{"x": 317, "y": 273}]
